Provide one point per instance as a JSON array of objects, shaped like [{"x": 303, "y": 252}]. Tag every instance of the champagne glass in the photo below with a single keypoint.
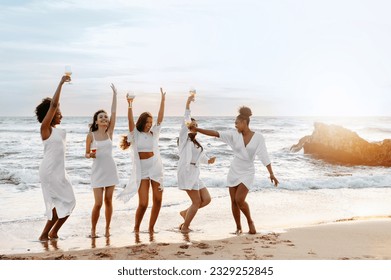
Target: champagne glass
[
  {"x": 68, "y": 71},
  {"x": 192, "y": 92},
  {"x": 130, "y": 95}
]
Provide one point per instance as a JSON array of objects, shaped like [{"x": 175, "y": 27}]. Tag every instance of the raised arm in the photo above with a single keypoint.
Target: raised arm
[
  {"x": 161, "y": 109},
  {"x": 130, "y": 114},
  {"x": 113, "y": 116},
  {"x": 47, "y": 121},
  {"x": 188, "y": 101}
]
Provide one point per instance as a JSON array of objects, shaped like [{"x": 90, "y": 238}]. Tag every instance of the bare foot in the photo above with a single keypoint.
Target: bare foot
[
  {"x": 43, "y": 238},
  {"x": 251, "y": 227},
  {"x": 183, "y": 213},
  {"x": 93, "y": 234},
  {"x": 185, "y": 230},
  {"x": 53, "y": 235},
  {"x": 238, "y": 232}
]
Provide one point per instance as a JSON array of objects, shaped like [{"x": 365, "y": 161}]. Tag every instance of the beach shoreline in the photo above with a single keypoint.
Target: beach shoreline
[{"x": 360, "y": 238}]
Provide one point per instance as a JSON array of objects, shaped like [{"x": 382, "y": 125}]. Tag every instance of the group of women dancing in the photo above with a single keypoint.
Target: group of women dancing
[{"x": 147, "y": 170}]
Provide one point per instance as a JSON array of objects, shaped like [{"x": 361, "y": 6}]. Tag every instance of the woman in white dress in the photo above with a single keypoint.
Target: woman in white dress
[
  {"x": 147, "y": 168},
  {"x": 104, "y": 175},
  {"x": 191, "y": 154},
  {"x": 56, "y": 187},
  {"x": 246, "y": 145}
]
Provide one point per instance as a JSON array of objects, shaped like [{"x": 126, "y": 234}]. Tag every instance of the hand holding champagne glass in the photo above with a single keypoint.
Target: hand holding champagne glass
[
  {"x": 192, "y": 92},
  {"x": 130, "y": 96},
  {"x": 68, "y": 72}
]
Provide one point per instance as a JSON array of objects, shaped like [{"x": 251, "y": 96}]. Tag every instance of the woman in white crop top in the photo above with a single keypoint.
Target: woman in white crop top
[
  {"x": 104, "y": 175},
  {"x": 147, "y": 168},
  {"x": 191, "y": 154}
]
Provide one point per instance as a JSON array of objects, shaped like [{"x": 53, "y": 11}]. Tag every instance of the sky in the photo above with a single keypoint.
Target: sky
[{"x": 280, "y": 58}]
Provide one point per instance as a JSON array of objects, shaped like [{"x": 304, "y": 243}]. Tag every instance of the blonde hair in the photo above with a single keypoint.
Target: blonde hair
[{"x": 123, "y": 142}]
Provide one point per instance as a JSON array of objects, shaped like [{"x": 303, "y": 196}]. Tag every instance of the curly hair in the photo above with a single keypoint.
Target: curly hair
[
  {"x": 42, "y": 109},
  {"x": 244, "y": 114}
]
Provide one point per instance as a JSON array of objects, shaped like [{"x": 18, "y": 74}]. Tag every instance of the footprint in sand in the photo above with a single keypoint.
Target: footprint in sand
[
  {"x": 184, "y": 246},
  {"x": 207, "y": 253},
  {"x": 102, "y": 255},
  {"x": 202, "y": 246}
]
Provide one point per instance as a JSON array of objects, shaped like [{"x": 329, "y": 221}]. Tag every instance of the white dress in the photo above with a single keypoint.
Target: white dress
[
  {"x": 242, "y": 166},
  {"x": 104, "y": 170},
  {"x": 189, "y": 159},
  {"x": 56, "y": 187},
  {"x": 155, "y": 170}
]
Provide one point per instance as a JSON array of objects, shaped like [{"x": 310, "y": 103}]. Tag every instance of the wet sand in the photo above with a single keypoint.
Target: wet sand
[{"x": 361, "y": 239}]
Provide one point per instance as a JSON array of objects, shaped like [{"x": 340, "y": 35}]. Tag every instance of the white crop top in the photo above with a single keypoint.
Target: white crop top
[{"x": 145, "y": 142}]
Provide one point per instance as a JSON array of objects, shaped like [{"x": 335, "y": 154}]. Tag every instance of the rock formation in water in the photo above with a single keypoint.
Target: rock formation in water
[{"x": 336, "y": 144}]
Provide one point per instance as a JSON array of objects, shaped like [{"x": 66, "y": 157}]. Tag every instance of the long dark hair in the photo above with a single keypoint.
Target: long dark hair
[
  {"x": 93, "y": 125},
  {"x": 192, "y": 136},
  {"x": 140, "y": 125},
  {"x": 142, "y": 120}
]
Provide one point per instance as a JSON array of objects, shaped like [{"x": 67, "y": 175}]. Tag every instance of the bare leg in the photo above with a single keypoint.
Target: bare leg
[
  {"x": 192, "y": 210},
  {"x": 205, "y": 200},
  {"x": 49, "y": 224},
  {"x": 143, "y": 193},
  {"x": 157, "y": 204},
  {"x": 56, "y": 227},
  {"x": 240, "y": 198},
  {"x": 205, "y": 197},
  {"x": 108, "y": 208},
  {"x": 98, "y": 196},
  {"x": 235, "y": 209}
]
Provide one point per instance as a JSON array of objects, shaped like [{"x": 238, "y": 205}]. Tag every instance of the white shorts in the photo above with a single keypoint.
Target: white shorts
[{"x": 146, "y": 166}]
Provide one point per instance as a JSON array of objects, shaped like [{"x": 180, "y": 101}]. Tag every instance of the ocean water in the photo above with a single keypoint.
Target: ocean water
[{"x": 304, "y": 180}]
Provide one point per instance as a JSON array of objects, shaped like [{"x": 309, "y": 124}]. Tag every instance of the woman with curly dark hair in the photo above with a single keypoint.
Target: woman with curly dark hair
[
  {"x": 104, "y": 175},
  {"x": 246, "y": 145},
  {"x": 147, "y": 169},
  {"x": 56, "y": 187}
]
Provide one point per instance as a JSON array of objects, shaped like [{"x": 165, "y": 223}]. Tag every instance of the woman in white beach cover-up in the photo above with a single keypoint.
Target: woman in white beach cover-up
[
  {"x": 56, "y": 187},
  {"x": 104, "y": 175},
  {"x": 191, "y": 154},
  {"x": 246, "y": 145},
  {"x": 147, "y": 164}
]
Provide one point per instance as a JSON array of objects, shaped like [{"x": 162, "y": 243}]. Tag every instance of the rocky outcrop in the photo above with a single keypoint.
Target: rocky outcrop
[{"x": 336, "y": 144}]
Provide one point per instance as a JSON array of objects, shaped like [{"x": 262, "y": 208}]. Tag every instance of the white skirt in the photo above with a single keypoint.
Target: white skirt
[{"x": 190, "y": 179}]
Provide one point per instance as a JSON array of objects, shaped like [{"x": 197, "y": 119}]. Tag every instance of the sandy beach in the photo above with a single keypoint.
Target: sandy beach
[{"x": 356, "y": 239}]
